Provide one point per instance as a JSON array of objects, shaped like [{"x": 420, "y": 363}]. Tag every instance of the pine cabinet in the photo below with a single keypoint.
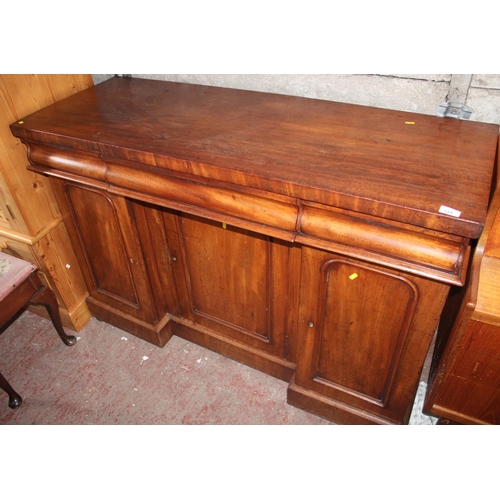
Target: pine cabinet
[
  {"x": 314, "y": 241},
  {"x": 31, "y": 226}
]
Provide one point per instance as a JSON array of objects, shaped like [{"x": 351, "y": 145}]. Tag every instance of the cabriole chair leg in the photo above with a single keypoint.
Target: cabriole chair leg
[
  {"x": 47, "y": 298},
  {"x": 14, "y": 399}
]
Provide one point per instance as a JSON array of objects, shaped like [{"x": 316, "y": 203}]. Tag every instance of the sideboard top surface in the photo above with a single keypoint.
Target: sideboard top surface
[{"x": 394, "y": 164}]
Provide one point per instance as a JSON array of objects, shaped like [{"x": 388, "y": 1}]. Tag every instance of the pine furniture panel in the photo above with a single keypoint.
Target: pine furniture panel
[{"x": 30, "y": 223}]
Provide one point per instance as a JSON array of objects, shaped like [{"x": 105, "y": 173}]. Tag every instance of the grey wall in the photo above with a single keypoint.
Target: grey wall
[{"x": 418, "y": 93}]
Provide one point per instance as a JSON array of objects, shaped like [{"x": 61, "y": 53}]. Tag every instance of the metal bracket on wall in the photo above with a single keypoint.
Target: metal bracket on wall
[{"x": 454, "y": 110}]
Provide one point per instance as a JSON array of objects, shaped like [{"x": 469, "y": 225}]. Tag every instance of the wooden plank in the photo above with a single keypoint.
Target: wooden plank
[
  {"x": 4, "y": 219},
  {"x": 30, "y": 240},
  {"x": 62, "y": 269},
  {"x": 487, "y": 307},
  {"x": 488, "y": 292}
]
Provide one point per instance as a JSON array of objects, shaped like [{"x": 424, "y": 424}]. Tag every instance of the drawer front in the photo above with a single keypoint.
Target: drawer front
[
  {"x": 18, "y": 249},
  {"x": 264, "y": 212},
  {"x": 251, "y": 209},
  {"x": 374, "y": 240}
]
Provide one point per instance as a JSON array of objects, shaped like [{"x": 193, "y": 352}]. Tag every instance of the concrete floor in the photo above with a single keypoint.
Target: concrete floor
[{"x": 112, "y": 377}]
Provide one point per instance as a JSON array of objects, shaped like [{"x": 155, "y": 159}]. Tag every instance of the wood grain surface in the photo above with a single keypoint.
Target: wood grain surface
[
  {"x": 304, "y": 238},
  {"x": 30, "y": 222},
  {"x": 19, "y": 96},
  {"x": 398, "y": 165}
]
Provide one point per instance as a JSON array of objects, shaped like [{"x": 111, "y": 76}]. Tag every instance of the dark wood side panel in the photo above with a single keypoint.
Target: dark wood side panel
[{"x": 469, "y": 391}]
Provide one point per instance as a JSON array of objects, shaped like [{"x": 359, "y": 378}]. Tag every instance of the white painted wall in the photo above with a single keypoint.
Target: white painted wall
[{"x": 417, "y": 93}]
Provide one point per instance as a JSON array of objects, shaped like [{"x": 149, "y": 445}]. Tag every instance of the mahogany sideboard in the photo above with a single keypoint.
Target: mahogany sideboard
[{"x": 312, "y": 240}]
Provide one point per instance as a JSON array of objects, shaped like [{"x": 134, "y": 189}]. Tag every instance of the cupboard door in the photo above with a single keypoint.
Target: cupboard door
[
  {"x": 106, "y": 241},
  {"x": 364, "y": 331},
  {"x": 233, "y": 281}
]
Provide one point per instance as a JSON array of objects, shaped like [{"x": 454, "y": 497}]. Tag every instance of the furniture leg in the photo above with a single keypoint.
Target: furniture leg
[
  {"x": 47, "y": 298},
  {"x": 14, "y": 399}
]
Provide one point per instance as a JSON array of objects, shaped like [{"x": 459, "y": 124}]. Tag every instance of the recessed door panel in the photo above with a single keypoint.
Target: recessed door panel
[
  {"x": 234, "y": 278},
  {"x": 366, "y": 316},
  {"x": 355, "y": 320},
  {"x": 115, "y": 271},
  {"x": 229, "y": 274}
]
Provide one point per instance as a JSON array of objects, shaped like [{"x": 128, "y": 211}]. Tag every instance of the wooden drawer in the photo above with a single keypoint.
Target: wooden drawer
[
  {"x": 267, "y": 213},
  {"x": 17, "y": 248},
  {"x": 399, "y": 246}
]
